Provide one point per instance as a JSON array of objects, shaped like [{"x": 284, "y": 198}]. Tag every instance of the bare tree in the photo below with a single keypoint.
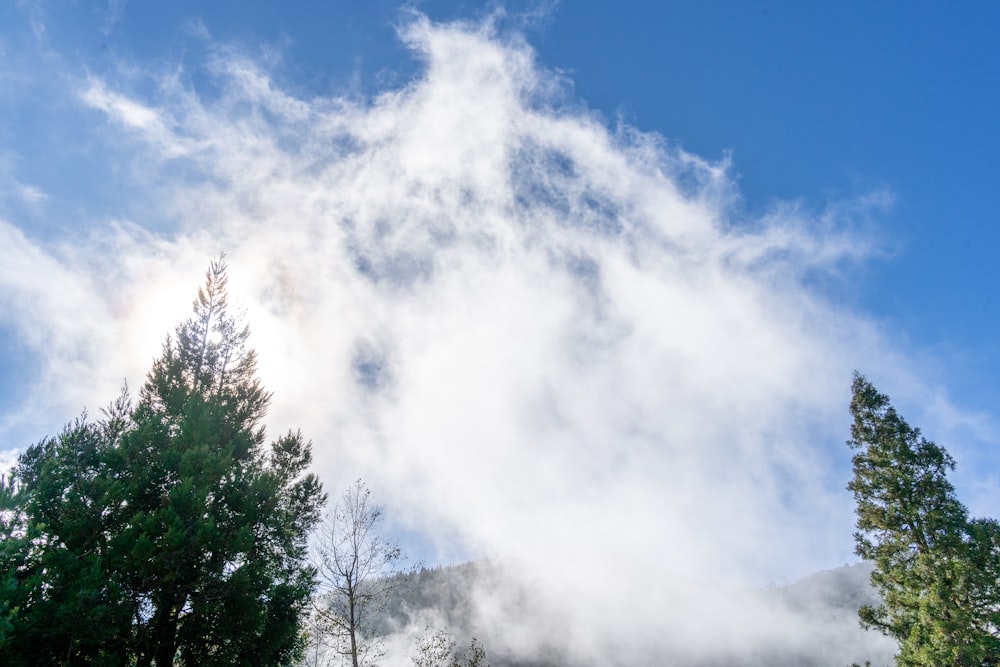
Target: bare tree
[
  {"x": 357, "y": 570},
  {"x": 438, "y": 649}
]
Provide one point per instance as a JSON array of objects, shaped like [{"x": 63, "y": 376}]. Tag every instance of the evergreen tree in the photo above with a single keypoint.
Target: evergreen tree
[
  {"x": 938, "y": 572},
  {"x": 166, "y": 532},
  {"x": 12, "y": 546}
]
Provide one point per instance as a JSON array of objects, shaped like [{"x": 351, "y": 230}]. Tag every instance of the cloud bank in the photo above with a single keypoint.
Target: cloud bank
[{"x": 538, "y": 336}]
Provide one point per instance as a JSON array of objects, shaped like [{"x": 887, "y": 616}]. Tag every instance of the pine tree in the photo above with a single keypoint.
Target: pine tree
[
  {"x": 167, "y": 532},
  {"x": 938, "y": 573}
]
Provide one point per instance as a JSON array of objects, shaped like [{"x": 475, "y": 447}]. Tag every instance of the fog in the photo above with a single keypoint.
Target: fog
[{"x": 539, "y": 334}]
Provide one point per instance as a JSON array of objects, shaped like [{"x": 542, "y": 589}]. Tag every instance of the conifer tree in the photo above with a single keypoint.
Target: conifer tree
[
  {"x": 166, "y": 532},
  {"x": 938, "y": 572}
]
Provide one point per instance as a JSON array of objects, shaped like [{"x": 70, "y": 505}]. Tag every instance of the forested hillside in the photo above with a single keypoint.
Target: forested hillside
[{"x": 822, "y": 606}]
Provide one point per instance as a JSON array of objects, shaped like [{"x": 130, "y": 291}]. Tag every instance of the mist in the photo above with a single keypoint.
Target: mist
[{"x": 540, "y": 335}]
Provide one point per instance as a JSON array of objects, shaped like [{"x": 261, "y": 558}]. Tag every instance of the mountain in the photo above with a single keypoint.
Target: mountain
[{"x": 812, "y": 621}]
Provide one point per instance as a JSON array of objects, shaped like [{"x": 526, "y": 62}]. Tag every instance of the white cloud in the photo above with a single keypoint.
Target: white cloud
[
  {"x": 29, "y": 193},
  {"x": 521, "y": 327},
  {"x": 14, "y": 190},
  {"x": 149, "y": 123}
]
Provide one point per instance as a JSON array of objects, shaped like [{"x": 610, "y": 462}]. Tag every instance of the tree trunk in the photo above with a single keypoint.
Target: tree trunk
[
  {"x": 353, "y": 628},
  {"x": 164, "y": 634}
]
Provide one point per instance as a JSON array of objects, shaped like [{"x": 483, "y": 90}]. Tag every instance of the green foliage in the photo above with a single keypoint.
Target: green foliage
[
  {"x": 938, "y": 573},
  {"x": 13, "y": 546},
  {"x": 166, "y": 532}
]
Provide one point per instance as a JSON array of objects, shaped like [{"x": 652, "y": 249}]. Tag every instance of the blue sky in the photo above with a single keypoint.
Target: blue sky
[
  {"x": 815, "y": 106},
  {"x": 633, "y": 249}
]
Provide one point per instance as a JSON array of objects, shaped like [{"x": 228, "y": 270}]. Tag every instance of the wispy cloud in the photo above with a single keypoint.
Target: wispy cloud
[
  {"x": 115, "y": 11},
  {"x": 146, "y": 121},
  {"x": 12, "y": 189},
  {"x": 33, "y": 12},
  {"x": 550, "y": 340}
]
